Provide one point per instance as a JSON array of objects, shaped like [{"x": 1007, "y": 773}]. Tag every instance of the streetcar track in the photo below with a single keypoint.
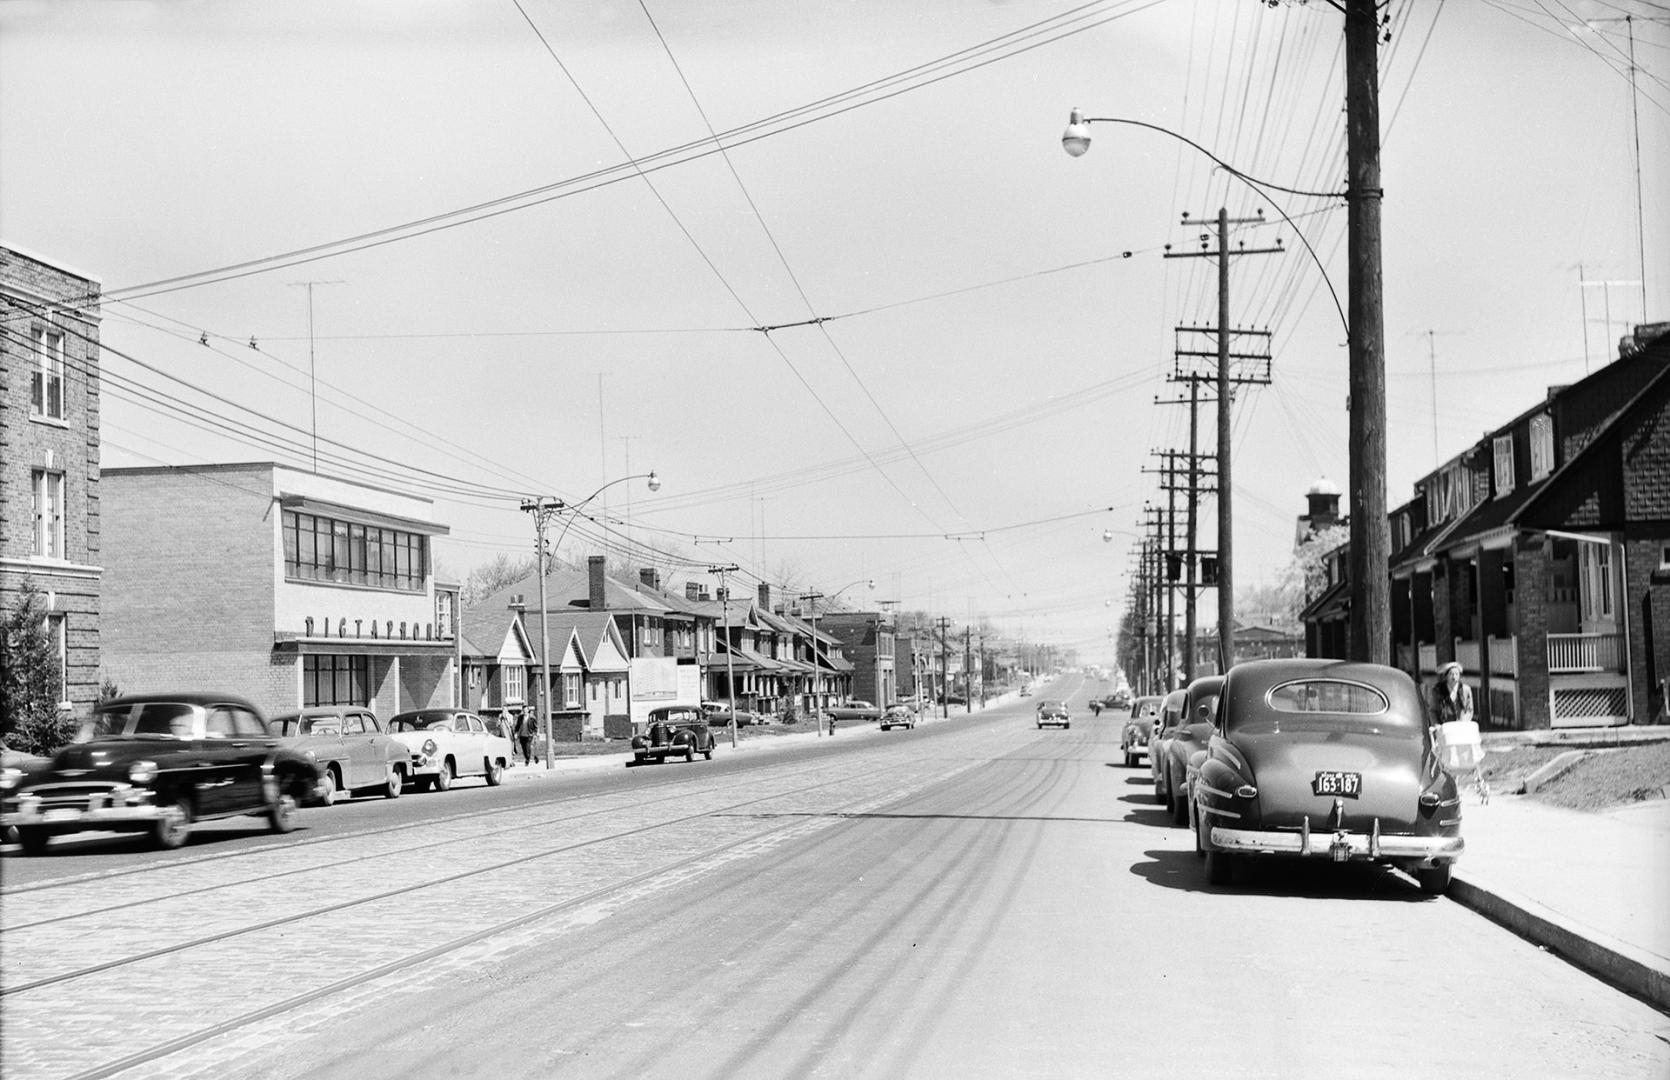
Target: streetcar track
[{"x": 178, "y": 947}]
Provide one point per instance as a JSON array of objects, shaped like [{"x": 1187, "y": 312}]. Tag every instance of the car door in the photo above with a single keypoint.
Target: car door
[
  {"x": 472, "y": 749},
  {"x": 364, "y": 757}
]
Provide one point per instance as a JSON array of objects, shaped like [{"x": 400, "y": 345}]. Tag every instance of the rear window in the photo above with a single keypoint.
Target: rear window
[{"x": 1328, "y": 696}]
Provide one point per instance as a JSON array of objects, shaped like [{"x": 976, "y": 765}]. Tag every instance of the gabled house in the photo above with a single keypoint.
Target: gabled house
[{"x": 498, "y": 658}]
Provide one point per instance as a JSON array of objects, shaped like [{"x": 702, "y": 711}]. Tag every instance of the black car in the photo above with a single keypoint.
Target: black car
[
  {"x": 156, "y": 764},
  {"x": 673, "y": 731}
]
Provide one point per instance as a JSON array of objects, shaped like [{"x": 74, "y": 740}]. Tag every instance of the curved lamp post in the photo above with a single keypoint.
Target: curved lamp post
[
  {"x": 543, "y": 509},
  {"x": 811, "y": 599}
]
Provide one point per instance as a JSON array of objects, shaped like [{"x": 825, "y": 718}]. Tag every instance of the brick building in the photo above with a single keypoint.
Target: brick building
[
  {"x": 286, "y": 586},
  {"x": 866, "y": 639},
  {"x": 49, "y": 458}
]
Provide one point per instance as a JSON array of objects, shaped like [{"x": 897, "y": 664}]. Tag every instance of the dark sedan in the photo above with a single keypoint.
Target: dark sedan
[
  {"x": 673, "y": 731},
  {"x": 156, "y": 764},
  {"x": 1165, "y": 726},
  {"x": 1186, "y": 738},
  {"x": 1325, "y": 759}
]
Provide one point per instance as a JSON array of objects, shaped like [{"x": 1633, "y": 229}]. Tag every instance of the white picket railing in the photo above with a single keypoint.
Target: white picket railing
[
  {"x": 1467, "y": 654},
  {"x": 1504, "y": 655},
  {"x": 1429, "y": 658},
  {"x": 1569, "y": 653}
]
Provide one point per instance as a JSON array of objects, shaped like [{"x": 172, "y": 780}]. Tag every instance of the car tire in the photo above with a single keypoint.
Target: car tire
[
  {"x": 281, "y": 814},
  {"x": 1220, "y": 868},
  {"x": 1435, "y": 881},
  {"x": 395, "y": 784},
  {"x": 33, "y": 838},
  {"x": 443, "y": 779},
  {"x": 689, "y": 751},
  {"x": 1179, "y": 810},
  {"x": 171, "y": 829},
  {"x": 328, "y": 787},
  {"x": 495, "y": 773},
  {"x": 1200, "y": 832},
  {"x": 1161, "y": 795}
]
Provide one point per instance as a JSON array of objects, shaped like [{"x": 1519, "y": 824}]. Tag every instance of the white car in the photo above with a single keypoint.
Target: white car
[{"x": 449, "y": 743}]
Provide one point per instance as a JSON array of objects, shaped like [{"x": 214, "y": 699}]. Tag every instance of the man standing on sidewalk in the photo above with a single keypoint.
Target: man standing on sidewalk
[{"x": 524, "y": 734}]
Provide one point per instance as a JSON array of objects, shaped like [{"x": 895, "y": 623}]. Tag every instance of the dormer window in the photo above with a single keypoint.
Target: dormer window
[
  {"x": 1542, "y": 446},
  {"x": 1503, "y": 445}
]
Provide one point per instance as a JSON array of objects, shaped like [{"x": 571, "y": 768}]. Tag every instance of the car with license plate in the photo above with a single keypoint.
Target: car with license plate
[
  {"x": 1188, "y": 736},
  {"x": 1053, "y": 713},
  {"x": 1133, "y": 738},
  {"x": 446, "y": 744},
  {"x": 1165, "y": 726},
  {"x": 157, "y": 764},
  {"x": 898, "y": 716},
  {"x": 354, "y": 752},
  {"x": 1325, "y": 759},
  {"x": 673, "y": 731}
]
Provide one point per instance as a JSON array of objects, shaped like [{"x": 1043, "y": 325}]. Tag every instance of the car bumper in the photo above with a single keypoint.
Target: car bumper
[
  {"x": 1339, "y": 845},
  {"x": 28, "y": 815}
]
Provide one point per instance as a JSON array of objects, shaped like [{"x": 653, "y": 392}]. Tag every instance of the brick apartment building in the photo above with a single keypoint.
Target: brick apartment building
[
  {"x": 49, "y": 457},
  {"x": 866, "y": 639},
  {"x": 286, "y": 586}
]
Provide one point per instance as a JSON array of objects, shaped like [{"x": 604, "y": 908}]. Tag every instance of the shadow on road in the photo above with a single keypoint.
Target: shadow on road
[{"x": 1295, "y": 878}]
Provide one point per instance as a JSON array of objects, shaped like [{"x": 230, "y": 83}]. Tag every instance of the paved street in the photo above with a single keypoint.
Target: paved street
[{"x": 973, "y": 898}]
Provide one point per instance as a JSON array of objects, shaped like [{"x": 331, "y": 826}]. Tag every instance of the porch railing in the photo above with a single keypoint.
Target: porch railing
[
  {"x": 1569, "y": 653},
  {"x": 1467, "y": 654},
  {"x": 1504, "y": 656}
]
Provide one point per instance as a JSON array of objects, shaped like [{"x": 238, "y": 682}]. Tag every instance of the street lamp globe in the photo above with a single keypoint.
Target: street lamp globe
[
  {"x": 1076, "y": 139},
  {"x": 654, "y": 481}
]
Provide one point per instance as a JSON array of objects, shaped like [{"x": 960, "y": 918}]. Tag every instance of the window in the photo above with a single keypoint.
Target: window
[
  {"x": 1542, "y": 446},
  {"x": 515, "y": 684},
  {"x": 1319, "y": 695},
  {"x": 571, "y": 691},
  {"x": 322, "y": 549},
  {"x": 46, "y": 382},
  {"x": 1595, "y": 573},
  {"x": 336, "y": 680},
  {"x": 47, "y": 495},
  {"x": 1503, "y": 446}
]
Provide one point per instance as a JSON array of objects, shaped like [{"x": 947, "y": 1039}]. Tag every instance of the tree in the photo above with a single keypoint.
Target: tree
[
  {"x": 31, "y": 679},
  {"x": 500, "y": 572}
]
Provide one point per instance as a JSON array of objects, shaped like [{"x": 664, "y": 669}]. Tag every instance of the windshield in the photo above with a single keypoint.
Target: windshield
[
  {"x": 154, "y": 719},
  {"x": 418, "y": 723}
]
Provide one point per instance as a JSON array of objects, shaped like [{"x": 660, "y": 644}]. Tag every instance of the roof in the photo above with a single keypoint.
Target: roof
[
  {"x": 571, "y": 589},
  {"x": 1330, "y": 605}
]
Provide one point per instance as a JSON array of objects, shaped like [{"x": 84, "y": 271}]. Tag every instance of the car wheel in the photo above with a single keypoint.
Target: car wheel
[
  {"x": 1200, "y": 831},
  {"x": 328, "y": 786},
  {"x": 689, "y": 751},
  {"x": 1435, "y": 881},
  {"x": 1220, "y": 870},
  {"x": 171, "y": 829},
  {"x": 443, "y": 779},
  {"x": 33, "y": 838},
  {"x": 495, "y": 773},
  {"x": 396, "y": 782},
  {"x": 1179, "y": 810},
  {"x": 280, "y": 814},
  {"x": 1066, "y": 727},
  {"x": 1161, "y": 795}
]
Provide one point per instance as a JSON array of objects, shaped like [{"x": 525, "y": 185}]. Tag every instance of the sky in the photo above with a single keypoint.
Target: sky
[{"x": 890, "y": 331}]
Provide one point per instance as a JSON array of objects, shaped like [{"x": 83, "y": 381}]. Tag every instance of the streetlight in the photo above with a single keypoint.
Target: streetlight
[
  {"x": 1367, "y": 445},
  {"x": 811, "y": 600},
  {"x": 543, "y": 509}
]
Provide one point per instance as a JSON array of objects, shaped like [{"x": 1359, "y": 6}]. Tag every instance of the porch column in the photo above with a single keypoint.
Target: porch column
[{"x": 1492, "y": 621}]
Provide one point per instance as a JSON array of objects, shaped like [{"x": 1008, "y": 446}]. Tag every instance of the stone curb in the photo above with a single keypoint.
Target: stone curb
[
  {"x": 1552, "y": 771},
  {"x": 1624, "y": 966}
]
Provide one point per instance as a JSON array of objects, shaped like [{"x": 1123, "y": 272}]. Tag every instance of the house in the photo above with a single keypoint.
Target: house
[
  {"x": 50, "y": 522},
  {"x": 867, "y": 640},
  {"x": 1537, "y": 557},
  {"x": 290, "y": 587},
  {"x": 498, "y": 659}
]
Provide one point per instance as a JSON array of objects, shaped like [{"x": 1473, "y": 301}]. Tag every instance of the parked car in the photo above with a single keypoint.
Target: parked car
[
  {"x": 898, "y": 716},
  {"x": 354, "y": 753},
  {"x": 1165, "y": 725},
  {"x": 673, "y": 731},
  {"x": 445, "y": 744},
  {"x": 959, "y": 699},
  {"x": 1139, "y": 726},
  {"x": 1188, "y": 737},
  {"x": 1325, "y": 759},
  {"x": 718, "y": 714},
  {"x": 157, "y": 763},
  {"x": 853, "y": 710},
  {"x": 1119, "y": 699},
  {"x": 1054, "y": 713}
]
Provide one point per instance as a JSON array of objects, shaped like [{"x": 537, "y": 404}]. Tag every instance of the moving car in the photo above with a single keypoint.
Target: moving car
[
  {"x": 444, "y": 744},
  {"x": 1054, "y": 713},
  {"x": 898, "y": 716},
  {"x": 1325, "y": 759},
  {"x": 1165, "y": 726},
  {"x": 1139, "y": 727},
  {"x": 1189, "y": 736},
  {"x": 354, "y": 753},
  {"x": 673, "y": 731},
  {"x": 853, "y": 710},
  {"x": 157, "y": 763}
]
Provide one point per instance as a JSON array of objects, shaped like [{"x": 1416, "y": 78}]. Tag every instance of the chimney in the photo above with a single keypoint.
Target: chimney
[
  {"x": 648, "y": 575},
  {"x": 594, "y": 573},
  {"x": 692, "y": 590},
  {"x": 517, "y": 605},
  {"x": 765, "y": 596}
]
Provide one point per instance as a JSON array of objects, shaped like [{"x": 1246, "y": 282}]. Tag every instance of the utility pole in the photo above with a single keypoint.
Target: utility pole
[
  {"x": 543, "y": 510},
  {"x": 982, "y": 671},
  {"x": 312, "y": 378},
  {"x": 1226, "y": 538},
  {"x": 968, "y": 677},
  {"x": 811, "y": 600},
  {"x": 944, "y": 673},
  {"x": 730, "y": 657}
]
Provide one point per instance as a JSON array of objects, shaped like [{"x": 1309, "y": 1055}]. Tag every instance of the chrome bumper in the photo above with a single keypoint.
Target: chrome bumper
[
  {"x": 29, "y": 812},
  {"x": 1339, "y": 845}
]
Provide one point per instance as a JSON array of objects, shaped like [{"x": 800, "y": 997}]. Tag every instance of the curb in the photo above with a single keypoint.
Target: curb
[
  {"x": 1552, "y": 771},
  {"x": 1624, "y": 966}
]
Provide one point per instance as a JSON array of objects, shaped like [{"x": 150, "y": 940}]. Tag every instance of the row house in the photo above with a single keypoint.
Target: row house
[
  {"x": 50, "y": 512},
  {"x": 1538, "y": 558},
  {"x": 290, "y": 587},
  {"x": 867, "y": 639}
]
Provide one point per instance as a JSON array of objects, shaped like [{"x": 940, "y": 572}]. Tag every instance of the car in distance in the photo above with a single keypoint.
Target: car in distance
[
  {"x": 445, "y": 744},
  {"x": 673, "y": 731},
  {"x": 1189, "y": 737},
  {"x": 853, "y": 710},
  {"x": 157, "y": 763},
  {"x": 898, "y": 716},
  {"x": 1325, "y": 759},
  {"x": 718, "y": 714},
  {"x": 1139, "y": 726},
  {"x": 353, "y": 752},
  {"x": 1053, "y": 714},
  {"x": 1165, "y": 726}
]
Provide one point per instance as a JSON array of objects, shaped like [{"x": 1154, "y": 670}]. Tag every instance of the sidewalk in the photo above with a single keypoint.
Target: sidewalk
[{"x": 1592, "y": 887}]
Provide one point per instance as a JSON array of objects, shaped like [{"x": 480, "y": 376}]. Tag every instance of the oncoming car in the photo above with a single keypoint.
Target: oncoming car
[
  {"x": 898, "y": 716},
  {"x": 1325, "y": 759},
  {"x": 1053, "y": 713},
  {"x": 673, "y": 731}
]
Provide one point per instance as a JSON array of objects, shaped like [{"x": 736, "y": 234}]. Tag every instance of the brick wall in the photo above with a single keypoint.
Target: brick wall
[
  {"x": 1443, "y": 573},
  {"x": 1530, "y": 579}
]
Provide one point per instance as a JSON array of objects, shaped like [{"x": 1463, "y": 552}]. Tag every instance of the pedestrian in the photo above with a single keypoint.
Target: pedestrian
[
  {"x": 1452, "y": 699},
  {"x": 524, "y": 734}
]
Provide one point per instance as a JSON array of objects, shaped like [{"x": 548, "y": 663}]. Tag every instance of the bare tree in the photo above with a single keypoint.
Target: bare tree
[{"x": 501, "y": 571}]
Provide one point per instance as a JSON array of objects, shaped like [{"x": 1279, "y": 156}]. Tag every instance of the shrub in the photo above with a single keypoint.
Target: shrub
[{"x": 30, "y": 679}]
